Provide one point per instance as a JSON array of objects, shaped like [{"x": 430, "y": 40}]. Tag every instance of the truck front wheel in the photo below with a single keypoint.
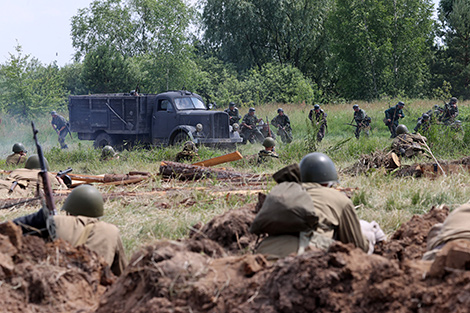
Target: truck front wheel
[
  {"x": 180, "y": 138},
  {"x": 102, "y": 140}
]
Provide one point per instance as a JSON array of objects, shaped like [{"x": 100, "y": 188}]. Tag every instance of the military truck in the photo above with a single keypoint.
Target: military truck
[{"x": 167, "y": 118}]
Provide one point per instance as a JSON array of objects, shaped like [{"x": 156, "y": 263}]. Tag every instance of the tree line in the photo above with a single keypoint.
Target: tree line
[{"x": 252, "y": 52}]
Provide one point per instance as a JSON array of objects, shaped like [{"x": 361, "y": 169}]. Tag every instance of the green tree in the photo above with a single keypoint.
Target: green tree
[{"x": 28, "y": 87}]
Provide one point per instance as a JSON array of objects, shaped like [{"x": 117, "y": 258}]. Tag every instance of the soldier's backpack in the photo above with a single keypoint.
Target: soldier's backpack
[{"x": 288, "y": 209}]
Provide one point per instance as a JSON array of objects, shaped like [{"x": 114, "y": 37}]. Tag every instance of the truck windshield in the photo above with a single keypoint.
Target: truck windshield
[{"x": 189, "y": 103}]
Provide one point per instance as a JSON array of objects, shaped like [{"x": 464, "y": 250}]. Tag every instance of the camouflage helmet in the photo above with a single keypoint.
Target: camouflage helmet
[
  {"x": 108, "y": 152},
  {"x": 251, "y": 110},
  {"x": 317, "y": 167},
  {"x": 402, "y": 129},
  {"x": 84, "y": 200},
  {"x": 316, "y": 107},
  {"x": 453, "y": 100},
  {"x": 355, "y": 106},
  {"x": 189, "y": 146},
  {"x": 18, "y": 147},
  {"x": 33, "y": 163},
  {"x": 425, "y": 116},
  {"x": 401, "y": 103},
  {"x": 280, "y": 110},
  {"x": 269, "y": 142}
]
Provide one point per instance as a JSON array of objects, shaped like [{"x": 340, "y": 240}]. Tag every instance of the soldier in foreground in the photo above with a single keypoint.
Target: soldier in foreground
[
  {"x": 268, "y": 152},
  {"x": 233, "y": 114},
  {"x": 60, "y": 125},
  {"x": 318, "y": 116},
  {"x": 249, "y": 130},
  {"x": 81, "y": 226},
  {"x": 336, "y": 218},
  {"x": 189, "y": 152},
  {"x": 362, "y": 121},
  {"x": 19, "y": 155},
  {"x": 282, "y": 123},
  {"x": 392, "y": 115}
]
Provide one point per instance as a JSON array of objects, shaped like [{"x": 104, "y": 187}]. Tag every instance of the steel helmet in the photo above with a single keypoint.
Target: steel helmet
[
  {"x": 355, "y": 106},
  {"x": 316, "y": 107},
  {"x": 280, "y": 110},
  {"x": 107, "y": 152},
  {"x": 189, "y": 146},
  {"x": 269, "y": 142},
  {"x": 251, "y": 110},
  {"x": 33, "y": 163},
  {"x": 425, "y": 116},
  {"x": 18, "y": 147},
  {"x": 453, "y": 100},
  {"x": 401, "y": 103},
  {"x": 84, "y": 200},
  {"x": 317, "y": 167},
  {"x": 231, "y": 104},
  {"x": 402, "y": 129}
]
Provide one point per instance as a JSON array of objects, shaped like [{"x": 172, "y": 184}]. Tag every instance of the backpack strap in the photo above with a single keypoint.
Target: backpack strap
[{"x": 84, "y": 235}]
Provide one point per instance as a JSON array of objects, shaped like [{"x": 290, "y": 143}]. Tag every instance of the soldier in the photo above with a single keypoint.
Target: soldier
[
  {"x": 423, "y": 123},
  {"x": 60, "y": 125},
  {"x": 392, "y": 115},
  {"x": 362, "y": 121},
  {"x": 451, "y": 111},
  {"x": 233, "y": 114},
  {"x": 320, "y": 119},
  {"x": 18, "y": 156},
  {"x": 249, "y": 130},
  {"x": 408, "y": 145},
  {"x": 282, "y": 122},
  {"x": 189, "y": 152},
  {"x": 337, "y": 219},
  {"x": 268, "y": 152},
  {"x": 81, "y": 226},
  {"x": 108, "y": 153}
]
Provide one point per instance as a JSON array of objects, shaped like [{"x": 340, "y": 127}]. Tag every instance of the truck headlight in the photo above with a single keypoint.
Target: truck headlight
[
  {"x": 235, "y": 127},
  {"x": 199, "y": 127}
]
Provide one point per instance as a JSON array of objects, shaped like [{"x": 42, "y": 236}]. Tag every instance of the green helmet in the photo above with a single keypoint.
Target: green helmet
[
  {"x": 108, "y": 152},
  {"x": 402, "y": 129},
  {"x": 269, "y": 142},
  {"x": 18, "y": 147},
  {"x": 190, "y": 146},
  {"x": 33, "y": 163},
  {"x": 84, "y": 200},
  {"x": 317, "y": 167}
]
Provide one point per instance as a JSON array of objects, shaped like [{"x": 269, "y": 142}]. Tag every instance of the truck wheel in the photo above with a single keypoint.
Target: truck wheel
[
  {"x": 180, "y": 138},
  {"x": 102, "y": 140}
]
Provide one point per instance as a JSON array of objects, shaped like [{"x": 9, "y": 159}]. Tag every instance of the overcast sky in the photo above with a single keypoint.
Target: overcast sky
[{"x": 41, "y": 27}]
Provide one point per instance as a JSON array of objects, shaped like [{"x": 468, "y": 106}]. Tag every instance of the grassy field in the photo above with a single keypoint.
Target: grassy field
[{"x": 380, "y": 196}]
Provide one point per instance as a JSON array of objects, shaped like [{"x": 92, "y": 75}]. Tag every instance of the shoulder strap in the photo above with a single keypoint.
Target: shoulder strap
[{"x": 84, "y": 235}]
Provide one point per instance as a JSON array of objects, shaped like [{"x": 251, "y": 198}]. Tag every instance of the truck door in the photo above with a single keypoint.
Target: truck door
[{"x": 163, "y": 120}]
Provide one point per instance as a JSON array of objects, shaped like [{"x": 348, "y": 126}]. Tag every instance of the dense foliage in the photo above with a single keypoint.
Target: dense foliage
[{"x": 253, "y": 52}]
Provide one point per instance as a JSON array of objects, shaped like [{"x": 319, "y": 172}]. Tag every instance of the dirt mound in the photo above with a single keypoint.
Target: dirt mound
[
  {"x": 48, "y": 277},
  {"x": 409, "y": 241}
]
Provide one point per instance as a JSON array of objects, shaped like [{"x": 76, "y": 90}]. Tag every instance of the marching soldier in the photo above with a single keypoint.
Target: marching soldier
[{"x": 362, "y": 121}]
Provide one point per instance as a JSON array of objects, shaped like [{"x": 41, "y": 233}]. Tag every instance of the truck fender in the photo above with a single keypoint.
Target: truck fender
[{"x": 187, "y": 129}]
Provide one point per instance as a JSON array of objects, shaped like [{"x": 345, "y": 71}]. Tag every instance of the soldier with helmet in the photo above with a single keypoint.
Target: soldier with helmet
[
  {"x": 249, "y": 131},
  {"x": 423, "y": 123},
  {"x": 406, "y": 144},
  {"x": 318, "y": 116},
  {"x": 451, "y": 111},
  {"x": 108, "y": 153},
  {"x": 189, "y": 152},
  {"x": 60, "y": 125},
  {"x": 18, "y": 156},
  {"x": 233, "y": 114},
  {"x": 362, "y": 121},
  {"x": 392, "y": 115},
  {"x": 282, "y": 122},
  {"x": 268, "y": 152},
  {"x": 81, "y": 226},
  {"x": 337, "y": 219}
]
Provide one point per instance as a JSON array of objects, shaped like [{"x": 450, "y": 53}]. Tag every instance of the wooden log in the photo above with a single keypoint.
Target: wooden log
[{"x": 234, "y": 156}]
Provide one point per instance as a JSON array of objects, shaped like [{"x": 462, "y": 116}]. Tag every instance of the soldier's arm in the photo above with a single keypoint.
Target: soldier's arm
[
  {"x": 349, "y": 230},
  {"x": 33, "y": 223}
]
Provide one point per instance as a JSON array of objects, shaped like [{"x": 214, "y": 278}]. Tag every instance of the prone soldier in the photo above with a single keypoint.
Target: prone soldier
[
  {"x": 189, "y": 152},
  {"x": 268, "y": 152}
]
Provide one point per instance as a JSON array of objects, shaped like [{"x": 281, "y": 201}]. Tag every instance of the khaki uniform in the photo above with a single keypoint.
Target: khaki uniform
[
  {"x": 27, "y": 180},
  {"x": 16, "y": 159},
  {"x": 100, "y": 237}
]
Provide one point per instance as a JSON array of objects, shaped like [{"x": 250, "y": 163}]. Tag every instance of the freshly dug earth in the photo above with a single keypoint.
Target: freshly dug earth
[
  {"x": 176, "y": 277},
  {"x": 48, "y": 277}
]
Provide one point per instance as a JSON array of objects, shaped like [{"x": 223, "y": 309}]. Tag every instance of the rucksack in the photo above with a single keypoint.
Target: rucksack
[{"x": 287, "y": 209}]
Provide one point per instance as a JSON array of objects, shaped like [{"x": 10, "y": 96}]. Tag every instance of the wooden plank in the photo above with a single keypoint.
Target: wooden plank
[{"x": 234, "y": 156}]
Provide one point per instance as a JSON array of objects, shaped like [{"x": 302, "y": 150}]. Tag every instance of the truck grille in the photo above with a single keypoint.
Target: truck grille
[{"x": 221, "y": 125}]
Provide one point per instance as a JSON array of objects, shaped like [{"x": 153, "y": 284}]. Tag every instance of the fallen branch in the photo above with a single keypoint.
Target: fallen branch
[{"x": 432, "y": 155}]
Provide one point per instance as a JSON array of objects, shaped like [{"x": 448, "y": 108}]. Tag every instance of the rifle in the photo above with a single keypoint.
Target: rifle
[
  {"x": 43, "y": 173},
  {"x": 13, "y": 186},
  {"x": 65, "y": 178},
  {"x": 269, "y": 128},
  {"x": 352, "y": 125}
]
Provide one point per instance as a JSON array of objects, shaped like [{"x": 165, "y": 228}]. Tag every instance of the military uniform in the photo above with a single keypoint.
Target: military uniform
[
  {"x": 16, "y": 159},
  {"x": 282, "y": 121},
  {"x": 188, "y": 154},
  {"x": 27, "y": 180},
  {"x": 320, "y": 118},
  {"x": 456, "y": 226},
  {"x": 265, "y": 155},
  {"x": 450, "y": 113},
  {"x": 362, "y": 122},
  {"x": 60, "y": 124},
  {"x": 422, "y": 125},
  {"x": 251, "y": 120},
  {"x": 408, "y": 145},
  {"x": 393, "y": 114},
  {"x": 234, "y": 115}
]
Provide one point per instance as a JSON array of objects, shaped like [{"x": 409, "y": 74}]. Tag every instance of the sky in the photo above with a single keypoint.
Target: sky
[{"x": 41, "y": 27}]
